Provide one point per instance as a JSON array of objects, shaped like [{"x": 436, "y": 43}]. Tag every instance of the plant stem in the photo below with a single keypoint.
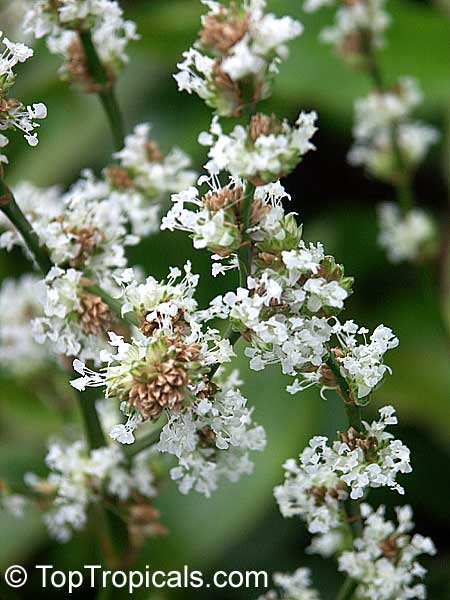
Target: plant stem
[
  {"x": 145, "y": 441},
  {"x": 245, "y": 251},
  {"x": 403, "y": 186},
  {"x": 352, "y": 507},
  {"x": 11, "y": 210},
  {"x": 106, "y": 94},
  {"x": 342, "y": 383},
  {"x": 91, "y": 421},
  {"x": 347, "y": 589}
]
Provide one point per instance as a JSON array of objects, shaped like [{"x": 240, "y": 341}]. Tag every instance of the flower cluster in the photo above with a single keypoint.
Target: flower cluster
[
  {"x": 36, "y": 203},
  {"x": 385, "y": 133},
  {"x": 288, "y": 308},
  {"x": 85, "y": 232},
  {"x": 264, "y": 151},
  {"x": 295, "y": 586},
  {"x": 75, "y": 321},
  {"x": 212, "y": 439},
  {"x": 361, "y": 364},
  {"x": 233, "y": 62},
  {"x": 63, "y": 22},
  {"x": 79, "y": 478},
  {"x": 358, "y": 25},
  {"x": 13, "y": 113},
  {"x": 326, "y": 476},
  {"x": 19, "y": 352},
  {"x": 215, "y": 221},
  {"x": 164, "y": 368},
  {"x": 405, "y": 237},
  {"x": 85, "y": 228},
  {"x": 383, "y": 560},
  {"x": 145, "y": 177}
]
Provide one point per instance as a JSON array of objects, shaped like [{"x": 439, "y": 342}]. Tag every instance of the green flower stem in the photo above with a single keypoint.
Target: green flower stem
[
  {"x": 347, "y": 590},
  {"x": 91, "y": 421},
  {"x": 12, "y": 211},
  {"x": 106, "y": 94},
  {"x": 403, "y": 184},
  {"x": 245, "y": 251},
  {"x": 352, "y": 507},
  {"x": 94, "y": 433},
  {"x": 146, "y": 440}
]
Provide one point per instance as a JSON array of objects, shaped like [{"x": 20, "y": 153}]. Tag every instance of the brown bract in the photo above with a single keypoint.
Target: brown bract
[
  {"x": 87, "y": 239},
  {"x": 153, "y": 150},
  {"x": 95, "y": 315},
  {"x": 78, "y": 68},
  {"x": 220, "y": 34},
  {"x": 224, "y": 198},
  {"x": 162, "y": 385},
  {"x": 261, "y": 124},
  {"x": 119, "y": 177}
]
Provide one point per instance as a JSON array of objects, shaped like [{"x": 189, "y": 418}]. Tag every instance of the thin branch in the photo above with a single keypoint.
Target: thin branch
[
  {"x": 106, "y": 90},
  {"x": 245, "y": 251},
  {"x": 11, "y": 210},
  {"x": 347, "y": 590}
]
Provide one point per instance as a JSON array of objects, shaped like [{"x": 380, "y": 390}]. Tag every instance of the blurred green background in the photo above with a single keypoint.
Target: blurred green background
[{"x": 240, "y": 526}]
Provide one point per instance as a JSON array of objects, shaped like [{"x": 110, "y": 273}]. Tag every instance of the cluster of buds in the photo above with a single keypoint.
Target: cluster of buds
[
  {"x": 62, "y": 22},
  {"x": 236, "y": 56},
  {"x": 264, "y": 151},
  {"x": 84, "y": 228},
  {"x": 13, "y": 113},
  {"x": 147, "y": 376},
  {"x": 287, "y": 309},
  {"x": 163, "y": 368}
]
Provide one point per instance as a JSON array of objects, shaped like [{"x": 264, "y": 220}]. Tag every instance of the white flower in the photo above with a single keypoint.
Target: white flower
[
  {"x": 212, "y": 440},
  {"x": 14, "y": 114},
  {"x": 237, "y": 44},
  {"x": 61, "y": 22},
  {"x": 37, "y": 204},
  {"x": 145, "y": 177},
  {"x": 79, "y": 478},
  {"x": 362, "y": 364},
  {"x": 19, "y": 353},
  {"x": 211, "y": 218},
  {"x": 365, "y": 15},
  {"x": 296, "y": 586},
  {"x": 61, "y": 326},
  {"x": 385, "y": 116},
  {"x": 404, "y": 236},
  {"x": 275, "y": 151},
  {"x": 327, "y": 475},
  {"x": 383, "y": 560}
]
